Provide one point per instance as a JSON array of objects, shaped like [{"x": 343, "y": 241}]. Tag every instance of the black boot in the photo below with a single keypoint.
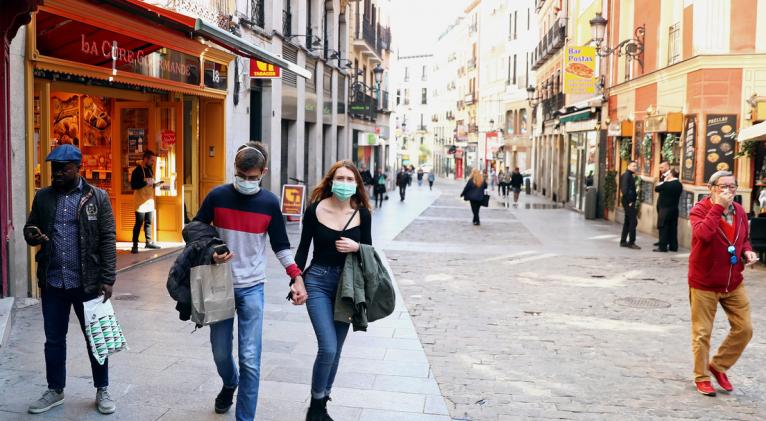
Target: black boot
[
  {"x": 318, "y": 410},
  {"x": 224, "y": 400},
  {"x": 134, "y": 250}
]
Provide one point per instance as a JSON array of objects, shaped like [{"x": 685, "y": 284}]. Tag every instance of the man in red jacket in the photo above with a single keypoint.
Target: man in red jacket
[{"x": 720, "y": 252}]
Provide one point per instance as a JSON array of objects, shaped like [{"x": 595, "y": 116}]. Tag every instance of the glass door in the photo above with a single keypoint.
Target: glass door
[{"x": 169, "y": 168}]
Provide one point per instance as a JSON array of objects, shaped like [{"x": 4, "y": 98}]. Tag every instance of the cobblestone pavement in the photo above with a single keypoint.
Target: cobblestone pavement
[{"x": 538, "y": 314}]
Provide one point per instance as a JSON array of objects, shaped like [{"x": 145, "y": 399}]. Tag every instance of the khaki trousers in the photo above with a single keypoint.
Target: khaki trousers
[{"x": 703, "y": 307}]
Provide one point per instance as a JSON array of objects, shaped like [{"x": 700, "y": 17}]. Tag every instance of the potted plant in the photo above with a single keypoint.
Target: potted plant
[{"x": 670, "y": 149}]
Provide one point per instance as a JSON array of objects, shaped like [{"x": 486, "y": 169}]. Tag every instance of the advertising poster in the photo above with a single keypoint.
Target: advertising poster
[
  {"x": 263, "y": 70},
  {"x": 65, "y": 116},
  {"x": 580, "y": 70},
  {"x": 720, "y": 139},
  {"x": 293, "y": 197},
  {"x": 689, "y": 142}
]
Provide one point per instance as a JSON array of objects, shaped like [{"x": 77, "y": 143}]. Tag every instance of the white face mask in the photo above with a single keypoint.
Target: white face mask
[{"x": 248, "y": 187}]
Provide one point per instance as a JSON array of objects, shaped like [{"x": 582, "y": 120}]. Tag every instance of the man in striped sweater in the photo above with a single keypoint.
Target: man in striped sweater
[{"x": 244, "y": 215}]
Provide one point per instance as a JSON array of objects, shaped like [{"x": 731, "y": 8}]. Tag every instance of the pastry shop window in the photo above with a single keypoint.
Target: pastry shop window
[
  {"x": 86, "y": 122},
  {"x": 134, "y": 128}
]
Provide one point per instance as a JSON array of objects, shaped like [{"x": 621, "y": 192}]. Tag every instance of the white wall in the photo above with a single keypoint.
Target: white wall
[{"x": 17, "y": 247}]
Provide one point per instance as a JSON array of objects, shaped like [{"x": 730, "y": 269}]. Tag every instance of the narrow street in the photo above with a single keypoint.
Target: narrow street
[{"x": 538, "y": 314}]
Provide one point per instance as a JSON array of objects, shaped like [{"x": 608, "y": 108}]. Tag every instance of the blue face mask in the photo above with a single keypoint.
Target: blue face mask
[
  {"x": 343, "y": 191},
  {"x": 248, "y": 187}
]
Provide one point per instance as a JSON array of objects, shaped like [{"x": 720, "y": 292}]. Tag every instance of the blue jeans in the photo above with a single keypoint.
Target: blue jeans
[
  {"x": 56, "y": 304},
  {"x": 321, "y": 284},
  {"x": 249, "y": 305}
]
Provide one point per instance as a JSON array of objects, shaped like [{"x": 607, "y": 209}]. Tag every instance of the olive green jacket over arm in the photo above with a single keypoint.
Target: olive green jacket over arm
[{"x": 365, "y": 290}]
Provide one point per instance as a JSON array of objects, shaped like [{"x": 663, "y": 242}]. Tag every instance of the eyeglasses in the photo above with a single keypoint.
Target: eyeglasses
[
  {"x": 727, "y": 186},
  {"x": 732, "y": 255}
]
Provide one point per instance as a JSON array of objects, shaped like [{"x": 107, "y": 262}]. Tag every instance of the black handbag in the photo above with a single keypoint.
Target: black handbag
[{"x": 485, "y": 201}]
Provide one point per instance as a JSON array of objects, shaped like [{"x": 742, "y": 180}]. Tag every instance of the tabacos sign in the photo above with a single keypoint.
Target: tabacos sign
[{"x": 262, "y": 70}]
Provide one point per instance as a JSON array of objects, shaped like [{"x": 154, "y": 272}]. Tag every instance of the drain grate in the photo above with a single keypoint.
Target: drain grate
[
  {"x": 125, "y": 297},
  {"x": 639, "y": 302}
]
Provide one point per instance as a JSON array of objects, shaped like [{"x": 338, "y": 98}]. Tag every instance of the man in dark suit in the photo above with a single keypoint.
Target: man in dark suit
[
  {"x": 664, "y": 172},
  {"x": 670, "y": 193},
  {"x": 629, "y": 204}
]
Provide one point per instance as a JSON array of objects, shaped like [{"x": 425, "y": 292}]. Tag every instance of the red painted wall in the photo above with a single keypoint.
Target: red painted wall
[{"x": 647, "y": 12}]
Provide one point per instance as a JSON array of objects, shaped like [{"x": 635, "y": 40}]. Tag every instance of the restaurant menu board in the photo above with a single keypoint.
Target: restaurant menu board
[
  {"x": 685, "y": 204},
  {"x": 689, "y": 142},
  {"x": 720, "y": 135},
  {"x": 647, "y": 192}
]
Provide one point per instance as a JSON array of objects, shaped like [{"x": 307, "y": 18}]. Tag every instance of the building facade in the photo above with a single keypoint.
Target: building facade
[
  {"x": 445, "y": 94},
  {"x": 413, "y": 113}
]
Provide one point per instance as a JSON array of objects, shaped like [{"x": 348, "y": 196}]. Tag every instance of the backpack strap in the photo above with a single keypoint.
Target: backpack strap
[{"x": 349, "y": 221}]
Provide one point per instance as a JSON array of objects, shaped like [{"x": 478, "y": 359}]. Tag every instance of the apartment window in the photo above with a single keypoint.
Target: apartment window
[
  {"x": 529, "y": 19},
  {"x": 509, "y": 126},
  {"x": 523, "y": 120},
  {"x": 514, "y": 69},
  {"x": 406, "y": 96},
  {"x": 508, "y": 78},
  {"x": 423, "y": 73},
  {"x": 424, "y": 96},
  {"x": 398, "y": 96},
  {"x": 510, "y": 26},
  {"x": 515, "y": 24},
  {"x": 406, "y": 74},
  {"x": 674, "y": 44}
]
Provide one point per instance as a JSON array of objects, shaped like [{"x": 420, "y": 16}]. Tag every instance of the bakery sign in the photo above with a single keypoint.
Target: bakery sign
[
  {"x": 580, "y": 70},
  {"x": 720, "y": 139}
]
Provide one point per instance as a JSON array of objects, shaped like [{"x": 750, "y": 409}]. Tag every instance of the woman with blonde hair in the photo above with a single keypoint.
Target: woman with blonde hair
[
  {"x": 337, "y": 220},
  {"x": 474, "y": 192}
]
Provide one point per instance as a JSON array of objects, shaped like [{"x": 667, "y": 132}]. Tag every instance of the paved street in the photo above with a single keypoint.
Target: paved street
[
  {"x": 538, "y": 314},
  {"x": 168, "y": 373}
]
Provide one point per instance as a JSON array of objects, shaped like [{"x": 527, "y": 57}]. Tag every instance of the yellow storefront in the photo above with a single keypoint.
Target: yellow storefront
[{"x": 116, "y": 85}]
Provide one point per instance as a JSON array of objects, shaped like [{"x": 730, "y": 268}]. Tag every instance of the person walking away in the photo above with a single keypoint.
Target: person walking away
[
  {"x": 366, "y": 178},
  {"x": 380, "y": 188},
  {"x": 629, "y": 204},
  {"x": 142, "y": 183},
  {"x": 74, "y": 226},
  {"x": 431, "y": 179},
  {"x": 492, "y": 178},
  {"x": 720, "y": 251},
  {"x": 246, "y": 217},
  {"x": 336, "y": 222},
  {"x": 670, "y": 193},
  {"x": 664, "y": 168},
  {"x": 403, "y": 180},
  {"x": 517, "y": 180},
  {"x": 420, "y": 177},
  {"x": 474, "y": 193}
]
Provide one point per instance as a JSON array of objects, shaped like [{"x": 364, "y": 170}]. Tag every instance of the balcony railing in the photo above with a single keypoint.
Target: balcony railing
[
  {"x": 287, "y": 23},
  {"x": 258, "y": 12},
  {"x": 550, "y": 43},
  {"x": 362, "y": 105},
  {"x": 552, "y": 105}
]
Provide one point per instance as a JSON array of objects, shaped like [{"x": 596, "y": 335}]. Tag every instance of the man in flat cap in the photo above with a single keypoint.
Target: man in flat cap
[{"x": 73, "y": 224}]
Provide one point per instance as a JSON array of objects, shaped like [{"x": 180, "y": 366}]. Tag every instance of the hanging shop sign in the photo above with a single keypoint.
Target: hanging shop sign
[
  {"x": 293, "y": 197},
  {"x": 689, "y": 148},
  {"x": 670, "y": 123},
  {"x": 216, "y": 75},
  {"x": 262, "y": 70},
  {"x": 580, "y": 70},
  {"x": 720, "y": 138},
  {"x": 168, "y": 138}
]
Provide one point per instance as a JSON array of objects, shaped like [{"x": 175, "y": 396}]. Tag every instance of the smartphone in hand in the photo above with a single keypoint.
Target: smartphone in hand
[{"x": 221, "y": 249}]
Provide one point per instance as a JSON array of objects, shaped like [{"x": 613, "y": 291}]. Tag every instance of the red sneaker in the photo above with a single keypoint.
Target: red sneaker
[
  {"x": 721, "y": 378},
  {"x": 706, "y": 388}
]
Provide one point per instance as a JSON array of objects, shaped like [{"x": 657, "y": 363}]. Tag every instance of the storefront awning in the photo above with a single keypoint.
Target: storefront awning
[
  {"x": 213, "y": 33},
  {"x": 754, "y": 132},
  {"x": 228, "y": 40},
  {"x": 577, "y": 116}
]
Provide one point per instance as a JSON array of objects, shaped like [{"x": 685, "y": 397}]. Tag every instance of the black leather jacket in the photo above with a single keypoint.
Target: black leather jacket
[{"x": 98, "y": 248}]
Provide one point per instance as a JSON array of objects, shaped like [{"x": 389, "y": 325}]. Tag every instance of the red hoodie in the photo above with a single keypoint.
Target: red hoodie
[{"x": 709, "y": 265}]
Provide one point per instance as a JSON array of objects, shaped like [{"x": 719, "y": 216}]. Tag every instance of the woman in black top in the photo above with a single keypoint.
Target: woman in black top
[
  {"x": 474, "y": 193},
  {"x": 337, "y": 221}
]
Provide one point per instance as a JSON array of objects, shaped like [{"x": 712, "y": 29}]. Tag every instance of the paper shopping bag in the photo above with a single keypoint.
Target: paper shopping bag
[
  {"x": 212, "y": 292},
  {"x": 104, "y": 333}
]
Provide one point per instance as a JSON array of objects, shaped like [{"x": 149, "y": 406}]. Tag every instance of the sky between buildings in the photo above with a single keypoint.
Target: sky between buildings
[{"x": 416, "y": 24}]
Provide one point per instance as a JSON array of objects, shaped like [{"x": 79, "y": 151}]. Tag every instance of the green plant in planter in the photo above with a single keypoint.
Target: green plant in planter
[
  {"x": 610, "y": 189},
  {"x": 669, "y": 149},
  {"x": 647, "y": 147},
  {"x": 747, "y": 149},
  {"x": 625, "y": 148},
  {"x": 638, "y": 180}
]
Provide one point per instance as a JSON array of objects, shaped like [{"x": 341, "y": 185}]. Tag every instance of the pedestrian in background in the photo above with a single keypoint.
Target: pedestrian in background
[
  {"x": 517, "y": 180},
  {"x": 247, "y": 217},
  {"x": 336, "y": 222},
  {"x": 380, "y": 188},
  {"x": 403, "y": 180},
  {"x": 74, "y": 226},
  {"x": 142, "y": 182},
  {"x": 629, "y": 204},
  {"x": 505, "y": 181},
  {"x": 431, "y": 179},
  {"x": 492, "y": 178},
  {"x": 420, "y": 177},
  {"x": 473, "y": 192},
  {"x": 664, "y": 168},
  {"x": 366, "y": 178},
  {"x": 667, "y": 203},
  {"x": 720, "y": 251}
]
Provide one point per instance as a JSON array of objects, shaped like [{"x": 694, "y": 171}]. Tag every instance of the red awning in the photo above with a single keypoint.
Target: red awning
[{"x": 151, "y": 10}]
